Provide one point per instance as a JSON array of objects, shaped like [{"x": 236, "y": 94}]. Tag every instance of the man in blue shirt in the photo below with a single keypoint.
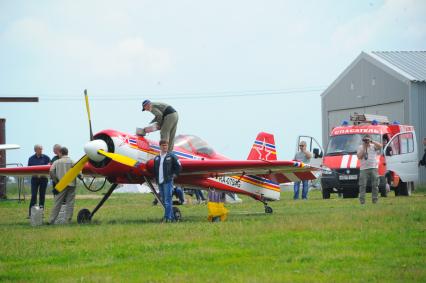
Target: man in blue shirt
[{"x": 38, "y": 183}]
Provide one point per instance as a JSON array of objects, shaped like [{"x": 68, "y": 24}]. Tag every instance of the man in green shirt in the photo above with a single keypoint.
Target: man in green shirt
[{"x": 166, "y": 117}]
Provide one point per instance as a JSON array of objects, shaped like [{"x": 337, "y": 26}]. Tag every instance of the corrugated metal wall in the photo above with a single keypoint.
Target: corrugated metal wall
[
  {"x": 418, "y": 116},
  {"x": 365, "y": 88}
]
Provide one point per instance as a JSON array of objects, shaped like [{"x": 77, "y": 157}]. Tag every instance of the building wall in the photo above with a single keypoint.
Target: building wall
[
  {"x": 366, "y": 88},
  {"x": 418, "y": 119}
]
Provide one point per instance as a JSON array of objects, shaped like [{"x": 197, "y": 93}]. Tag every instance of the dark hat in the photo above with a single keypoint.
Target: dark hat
[{"x": 145, "y": 102}]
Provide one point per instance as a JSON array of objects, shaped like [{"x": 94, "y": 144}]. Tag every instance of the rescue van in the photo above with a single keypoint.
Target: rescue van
[{"x": 397, "y": 163}]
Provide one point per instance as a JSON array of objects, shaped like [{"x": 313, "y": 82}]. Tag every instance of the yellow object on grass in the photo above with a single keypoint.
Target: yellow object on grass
[{"x": 216, "y": 209}]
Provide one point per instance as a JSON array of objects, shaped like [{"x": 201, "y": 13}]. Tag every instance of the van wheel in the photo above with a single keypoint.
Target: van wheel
[
  {"x": 404, "y": 189},
  {"x": 382, "y": 187},
  {"x": 325, "y": 193}
]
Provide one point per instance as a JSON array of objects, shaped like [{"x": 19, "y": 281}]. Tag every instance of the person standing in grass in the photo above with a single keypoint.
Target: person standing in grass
[
  {"x": 166, "y": 168},
  {"x": 367, "y": 154},
  {"x": 58, "y": 169},
  {"x": 38, "y": 183},
  {"x": 216, "y": 208},
  {"x": 57, "y": 152},
  {"x": 303, "y": 155}
]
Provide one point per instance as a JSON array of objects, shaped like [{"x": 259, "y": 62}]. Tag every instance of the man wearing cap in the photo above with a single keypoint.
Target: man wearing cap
[
  {"x": 166, "y": 117},
  {"x": 367, "y": 154}
]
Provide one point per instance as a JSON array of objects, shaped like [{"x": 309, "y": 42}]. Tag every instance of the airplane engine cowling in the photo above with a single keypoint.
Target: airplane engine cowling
[{"x": 101, "y": 141}]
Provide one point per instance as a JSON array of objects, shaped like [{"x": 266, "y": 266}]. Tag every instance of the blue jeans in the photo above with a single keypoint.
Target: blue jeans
[
  {"x": 178, "y": 192},
  {"x": 38, "y": 185},
  {"x": 304, "y": 190},
  {"x": 166, "y": 190}
]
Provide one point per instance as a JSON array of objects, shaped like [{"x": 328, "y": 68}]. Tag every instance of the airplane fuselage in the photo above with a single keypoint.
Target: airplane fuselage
[{"x": 143, "y": 150}]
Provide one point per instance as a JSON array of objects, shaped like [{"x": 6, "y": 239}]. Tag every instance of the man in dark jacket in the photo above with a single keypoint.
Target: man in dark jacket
[
  {"x": 38, "y": 183},
  {"x": 166, "y": 168}
]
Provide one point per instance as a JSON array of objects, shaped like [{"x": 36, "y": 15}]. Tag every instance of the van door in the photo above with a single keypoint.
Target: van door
[
  {"x": 403, "y": 160},
  {"x": 313, "y": 146}
]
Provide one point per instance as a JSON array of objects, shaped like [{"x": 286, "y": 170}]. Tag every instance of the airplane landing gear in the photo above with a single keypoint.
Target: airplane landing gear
[
  {"x": 176, "y": 211},
  {"x": 85, "y": 216},
  {"x": 268, "y": 209},
  {"x": 176, "y": 214}
]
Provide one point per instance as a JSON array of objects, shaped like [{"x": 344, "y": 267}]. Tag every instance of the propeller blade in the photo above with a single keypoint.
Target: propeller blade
[
  {"x": 86, "y": 97},
  {"x": 119, "y": 158},
  {"x": 71, "y": 174}
]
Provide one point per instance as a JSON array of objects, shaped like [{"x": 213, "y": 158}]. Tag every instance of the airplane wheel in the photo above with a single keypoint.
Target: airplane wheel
[
  {"x": 268, "y": 209},
  {"x": 176, "y": 213},
  {"x": 84, "y": 216}
]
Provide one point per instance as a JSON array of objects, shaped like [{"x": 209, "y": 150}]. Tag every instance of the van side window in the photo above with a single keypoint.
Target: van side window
[
  {"x": 403, "y": 144},
  {"x": 407, "y": 143}
]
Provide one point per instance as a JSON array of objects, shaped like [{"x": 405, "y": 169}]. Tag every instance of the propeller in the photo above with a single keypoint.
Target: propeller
[
  {"x": 119, "y": 158},
  {"x": 88, "y": 113},
  {"x": 95, "y": 150}
]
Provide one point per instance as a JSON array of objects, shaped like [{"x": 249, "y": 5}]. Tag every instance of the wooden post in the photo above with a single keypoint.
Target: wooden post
[
  {"x": 3, "y": 138},
  {"x": 2, "y": 158}
]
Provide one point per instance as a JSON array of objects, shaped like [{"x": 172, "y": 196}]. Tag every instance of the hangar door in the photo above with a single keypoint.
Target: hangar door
[{"x": 394, "y": 111}]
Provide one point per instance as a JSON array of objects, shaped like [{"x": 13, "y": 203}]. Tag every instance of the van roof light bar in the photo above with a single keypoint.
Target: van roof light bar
[{"x": 369, "y": 119}]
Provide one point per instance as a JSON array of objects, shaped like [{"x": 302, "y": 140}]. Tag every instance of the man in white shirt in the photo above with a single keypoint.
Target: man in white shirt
[
  {"x": 367, "y": 154},
  {"x": 166, "y": 168}
]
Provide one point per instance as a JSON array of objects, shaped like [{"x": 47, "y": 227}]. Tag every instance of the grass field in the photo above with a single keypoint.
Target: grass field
[{"x": 334, "y": 240}]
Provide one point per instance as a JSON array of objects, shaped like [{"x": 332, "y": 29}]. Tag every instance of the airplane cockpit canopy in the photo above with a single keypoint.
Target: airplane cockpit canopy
[{"x": 194, "y": 144}]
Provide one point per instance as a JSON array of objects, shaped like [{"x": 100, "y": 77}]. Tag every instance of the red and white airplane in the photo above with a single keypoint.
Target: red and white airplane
[{"x": 128, "y": 159}]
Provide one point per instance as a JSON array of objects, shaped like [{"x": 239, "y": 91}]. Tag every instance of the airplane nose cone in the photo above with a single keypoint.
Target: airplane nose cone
[{"x": 91, "y": 149}]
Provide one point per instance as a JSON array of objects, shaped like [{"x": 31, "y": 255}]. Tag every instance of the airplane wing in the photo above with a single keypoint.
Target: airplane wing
[
  {"x": 9, "y": 146},
  {"x": 281, "y": 171},
  {"x": 40, "y": 170}
]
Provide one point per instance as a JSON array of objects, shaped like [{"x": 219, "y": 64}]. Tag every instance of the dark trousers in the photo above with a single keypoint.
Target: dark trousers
[
  {"x": 38, "y": 185},
  {"x": 199, "y": 195}
]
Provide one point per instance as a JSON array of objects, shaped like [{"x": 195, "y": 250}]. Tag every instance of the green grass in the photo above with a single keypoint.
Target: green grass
[{"x": 302, "y": 241}]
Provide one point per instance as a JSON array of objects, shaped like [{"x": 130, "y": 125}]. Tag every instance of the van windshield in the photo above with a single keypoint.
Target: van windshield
[{"x": 345, "y": 144}]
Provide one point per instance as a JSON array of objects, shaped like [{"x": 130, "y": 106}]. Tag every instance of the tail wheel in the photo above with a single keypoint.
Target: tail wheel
[
  {"x": 84, "y": 216},
  {"x": 268, "y": 209}
]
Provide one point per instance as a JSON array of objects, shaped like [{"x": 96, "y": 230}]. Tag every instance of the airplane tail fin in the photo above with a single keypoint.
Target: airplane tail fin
[{"x": 263, "y": 148}]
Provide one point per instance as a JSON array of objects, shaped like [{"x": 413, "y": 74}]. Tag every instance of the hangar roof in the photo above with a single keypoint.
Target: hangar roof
[
  {"x": 410, "y": 62},
  {"x": 404, "y": 65}
]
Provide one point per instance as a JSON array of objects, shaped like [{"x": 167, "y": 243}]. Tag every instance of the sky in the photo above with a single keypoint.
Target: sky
[{"x": 230, "y": 68}]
